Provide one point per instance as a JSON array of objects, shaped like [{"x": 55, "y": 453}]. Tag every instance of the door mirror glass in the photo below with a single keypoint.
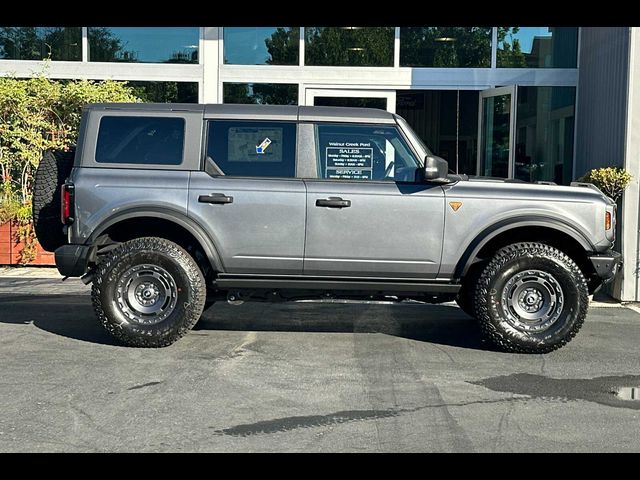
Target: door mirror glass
[{"x": 435, "y": 168}]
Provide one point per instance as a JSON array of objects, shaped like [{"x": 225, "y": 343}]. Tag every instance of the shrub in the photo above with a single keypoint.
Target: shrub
[
  {"x": 38, "y": 113},
  {"x": 611, "y": 180}
]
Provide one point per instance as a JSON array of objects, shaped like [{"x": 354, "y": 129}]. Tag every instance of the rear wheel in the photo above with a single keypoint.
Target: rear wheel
[
  {"x": 531, "y": 298},
  {"x": 148, "y": 292}
]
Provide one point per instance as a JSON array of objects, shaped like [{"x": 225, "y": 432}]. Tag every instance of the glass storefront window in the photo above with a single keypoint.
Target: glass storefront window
[
  {"x": 545, "y": 121},
  {"x": 537, "y": 47},
  {"x": 359, "y": 102},
  {"x": 144, "y": 44},
  {"x": 261, "y": 93},
  {"x": 447, "y": 122},
  {"x": 36, "y": 43},
  {"x": 349, "y": 46},
  {"x": 166, "y": 92},
  {"x": 261, "y": 45},
  {"x": 445, "y": 47}
]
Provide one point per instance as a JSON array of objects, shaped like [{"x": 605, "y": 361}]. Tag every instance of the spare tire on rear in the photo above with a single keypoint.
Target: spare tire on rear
[{"x": 52, "y": 172}]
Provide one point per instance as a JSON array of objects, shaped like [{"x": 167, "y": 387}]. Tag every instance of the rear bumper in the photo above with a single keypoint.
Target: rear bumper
[
  {"x": 606, "y": 264},
  {"x": 73, "y": 260}
]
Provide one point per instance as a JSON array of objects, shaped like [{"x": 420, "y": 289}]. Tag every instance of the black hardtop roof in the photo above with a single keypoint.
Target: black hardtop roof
[{"x": 258, "y": 112}]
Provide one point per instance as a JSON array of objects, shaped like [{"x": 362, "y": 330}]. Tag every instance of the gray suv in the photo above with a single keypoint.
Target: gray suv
[{"x": 168, "y": 208}]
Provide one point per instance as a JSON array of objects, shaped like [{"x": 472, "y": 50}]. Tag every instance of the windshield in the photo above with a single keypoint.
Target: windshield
[{"x": 423, "y": 150}]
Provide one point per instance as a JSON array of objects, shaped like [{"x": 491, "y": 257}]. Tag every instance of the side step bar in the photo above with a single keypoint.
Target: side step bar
[{"x": 230, "y": 281}]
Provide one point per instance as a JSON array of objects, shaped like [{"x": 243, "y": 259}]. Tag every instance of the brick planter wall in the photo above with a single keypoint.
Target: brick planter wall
[{"x": 10, "y": 248}]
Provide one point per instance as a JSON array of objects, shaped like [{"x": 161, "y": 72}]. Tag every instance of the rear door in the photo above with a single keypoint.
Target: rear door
[
  {"x": 248, "y": 197},
  {"x": 366, "y": 215}
]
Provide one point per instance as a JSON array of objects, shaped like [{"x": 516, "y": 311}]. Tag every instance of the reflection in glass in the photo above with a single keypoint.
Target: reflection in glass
[
  {"x": 447, "y": 122},
  {"x": 349, "y": 46},
  {"x": 166, "y": 92},
  {"x": 544, "y": 134},
  {"x": 361, "y": 102},
  {"x": 537, "y": 47},
  {"x": 496, "y": 124},
  {"x": 36, "y": 43},
  {"x": 445, "y": 47},
  {"x": 144, "y": 44},
  {"x": 261, "y": 93},
  {"x": 261, "y": 45}
]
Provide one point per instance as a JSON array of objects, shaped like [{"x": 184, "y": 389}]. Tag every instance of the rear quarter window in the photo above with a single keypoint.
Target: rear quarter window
[{"x": 140, "y": 140}]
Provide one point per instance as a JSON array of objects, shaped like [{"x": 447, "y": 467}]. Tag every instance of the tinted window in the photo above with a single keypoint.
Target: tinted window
[
  {"x": 445, "y": 47},
  {"x": 166, "y": 92},
  {"x": 349, "y": 46},
  {"x": 141, "y": 140},
  {"x": 36, "y": 43},
  {"x": 359, "y": 152},
  {"x": 253, "y": 149},
  {"x": 261, "y": 93},
  {"x": 537, "y": 47},
  {"x": 261, "y": 45},
  {"x": 144, "y": 44}
]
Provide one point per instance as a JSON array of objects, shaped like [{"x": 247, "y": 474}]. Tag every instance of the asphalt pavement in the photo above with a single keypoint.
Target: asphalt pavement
[{"x": 307, "y": 377}]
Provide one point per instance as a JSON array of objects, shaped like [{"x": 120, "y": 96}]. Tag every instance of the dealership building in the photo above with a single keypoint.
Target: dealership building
[{"x": 532, "y": 103}]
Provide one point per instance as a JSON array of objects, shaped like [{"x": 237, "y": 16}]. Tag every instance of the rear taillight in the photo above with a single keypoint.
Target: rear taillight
[
  {"x": 66, "y": 203},
  {"x": 607, "y": 221}
]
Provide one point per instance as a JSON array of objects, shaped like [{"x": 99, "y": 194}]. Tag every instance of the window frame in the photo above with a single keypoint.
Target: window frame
[
  {"x": 205, "y": 149},
  {"x": 184, "y": 134},
  {"x": 191, "y": 151},
  {"x": 408, "y": 144}
]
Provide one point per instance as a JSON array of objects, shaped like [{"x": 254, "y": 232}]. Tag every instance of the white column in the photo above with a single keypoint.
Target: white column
[
  {"x": 85, "y": 44},
  {"x": 396, "y": 48},
  {"x": 630, "y": 287},
  {"x": 210, "y": 59}
]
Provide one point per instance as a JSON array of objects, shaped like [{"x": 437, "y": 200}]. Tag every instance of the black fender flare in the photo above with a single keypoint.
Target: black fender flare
[
  {"x": 171, "y": 215},
  {"x": 506, "y": 224}
]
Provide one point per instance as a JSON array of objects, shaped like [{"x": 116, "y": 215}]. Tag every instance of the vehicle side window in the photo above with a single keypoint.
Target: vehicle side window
[
  {"x": 253, "y": 149},
  {"x": 363, "y": 152},
  {"x": 140, "y": 140}
]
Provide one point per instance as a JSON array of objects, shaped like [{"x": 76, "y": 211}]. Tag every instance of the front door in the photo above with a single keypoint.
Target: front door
[
  {"x": 496, "y": 132},
  {"x": 366, "y": 215},
  {"x": 248, "y": 198}
]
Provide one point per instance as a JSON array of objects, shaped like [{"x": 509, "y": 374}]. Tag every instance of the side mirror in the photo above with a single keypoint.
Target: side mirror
[{"x": 435, "y": 168}]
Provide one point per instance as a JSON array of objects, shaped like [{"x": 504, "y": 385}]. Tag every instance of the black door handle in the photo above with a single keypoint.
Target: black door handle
[
  {"x": 333, "y": 202},
  {"x": 217, "y": 198}
]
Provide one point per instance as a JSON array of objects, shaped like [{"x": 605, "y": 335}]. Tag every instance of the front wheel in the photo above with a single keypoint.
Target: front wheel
[
  {"x": 531, "y": 298},
  {"x": 148, "y": 292}
]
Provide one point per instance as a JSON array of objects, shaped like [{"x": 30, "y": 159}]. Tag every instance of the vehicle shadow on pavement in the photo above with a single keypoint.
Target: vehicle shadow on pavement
[
  {"x": 69, "y": 316},
  {"x": 72, "y": 316},
  {"x": 440, "y": 324}
]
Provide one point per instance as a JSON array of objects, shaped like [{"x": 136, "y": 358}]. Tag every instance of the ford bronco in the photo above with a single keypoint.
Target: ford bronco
[{"x": 167, "y": 208}]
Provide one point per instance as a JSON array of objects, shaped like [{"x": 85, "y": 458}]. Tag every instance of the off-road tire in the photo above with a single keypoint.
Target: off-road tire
[
  {"x": 54, "y": 168},
  {"x": 507, "y": 264},
  {"x": 189, "y": 289}
]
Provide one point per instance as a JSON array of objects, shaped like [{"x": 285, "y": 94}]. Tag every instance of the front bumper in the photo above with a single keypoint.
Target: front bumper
[
  {"x": 73, "y": 260},
  {"x": 606, "y": 264}
]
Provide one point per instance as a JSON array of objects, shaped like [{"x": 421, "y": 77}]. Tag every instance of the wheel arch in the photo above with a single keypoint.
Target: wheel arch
[
  {"x": 550, "y": 230},
  {"x": 157, "y": 220}
]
